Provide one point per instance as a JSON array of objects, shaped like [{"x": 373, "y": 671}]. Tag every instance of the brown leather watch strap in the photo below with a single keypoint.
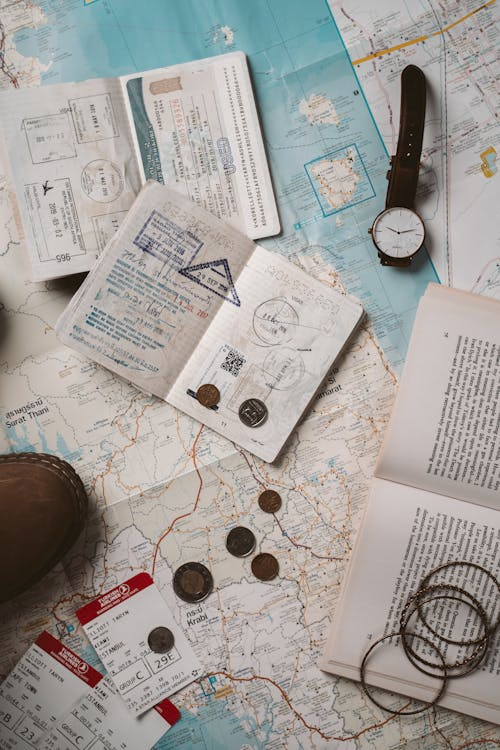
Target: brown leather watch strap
[
  {"x": 403, "y": 176},
  {"x": 387, "y": 260}
]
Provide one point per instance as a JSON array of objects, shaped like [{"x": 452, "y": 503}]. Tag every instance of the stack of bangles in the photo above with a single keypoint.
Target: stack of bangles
[{"x": 472, "y": 648}]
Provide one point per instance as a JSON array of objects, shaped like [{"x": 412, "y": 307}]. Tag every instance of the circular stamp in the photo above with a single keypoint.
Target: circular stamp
[
  {"x": 102, "y": 181},
  {"x": 285, "y": 368},
  {"x": 275, "y": 321}
]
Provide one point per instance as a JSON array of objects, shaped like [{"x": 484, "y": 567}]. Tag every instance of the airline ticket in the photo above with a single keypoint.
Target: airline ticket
[
  {"x": 120, "y": 624},
  {"x": 100, "y": 719},
  {"x": 44, "y": 684}
]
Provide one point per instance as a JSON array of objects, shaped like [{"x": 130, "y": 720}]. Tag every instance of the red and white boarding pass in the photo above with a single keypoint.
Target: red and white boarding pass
[
  {"x": 41, "y": 688},
  {"x": 100, "y": 720},
  {"x": 119, "y": 624}
]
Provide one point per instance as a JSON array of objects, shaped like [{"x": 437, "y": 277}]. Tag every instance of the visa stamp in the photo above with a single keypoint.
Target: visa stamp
[
  {"x": 50, "y": 138},
  {"x": 53, "y": 218},
  {"x": 167, "y": 241},
  {"x": 214, "y": 275},
  {"x": 102, "y": 181},
  {"x": 93, "y": 118}
]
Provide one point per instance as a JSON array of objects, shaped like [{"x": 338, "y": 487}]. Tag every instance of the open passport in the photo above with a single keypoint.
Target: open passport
[
  {"x": 180, "y": 300},
  {"x": 81, "y": 151},
  {"x": 435, "y": 499}
]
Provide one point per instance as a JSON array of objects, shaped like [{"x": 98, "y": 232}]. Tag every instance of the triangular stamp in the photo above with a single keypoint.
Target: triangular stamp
[{"x": 214, "y": 276}]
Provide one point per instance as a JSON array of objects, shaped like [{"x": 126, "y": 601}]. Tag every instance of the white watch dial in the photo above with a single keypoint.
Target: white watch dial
[{"x": 398, "y": 232}]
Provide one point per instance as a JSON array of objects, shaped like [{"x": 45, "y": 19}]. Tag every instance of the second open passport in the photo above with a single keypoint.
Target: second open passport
[{"x": 180, "y": 299}]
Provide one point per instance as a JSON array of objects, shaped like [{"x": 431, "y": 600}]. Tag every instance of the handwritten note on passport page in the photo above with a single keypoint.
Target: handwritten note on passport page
[
  {"x": 180, "y": 300},
  {"x": 120, "y": 624},
  {"x": 41, "y": 688},
  {"x": 100, "y": 720},
  {"x": 80, "y": 152}
]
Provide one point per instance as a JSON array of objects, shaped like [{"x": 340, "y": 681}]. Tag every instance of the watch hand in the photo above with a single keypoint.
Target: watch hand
[{"x": 393, "y": 230}]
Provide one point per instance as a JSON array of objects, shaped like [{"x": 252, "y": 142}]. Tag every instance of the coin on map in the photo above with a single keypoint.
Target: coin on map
[
  {"x": 269, "y": 501},
  {"x": 240, "y": 541},
  {"x": 160, "y": 640},
  {"x": 265, "y": 567},
  {"x": 193, "y": 582},
  {"x": 253, "y": 412},
  {"x": 208, "y": 395}
]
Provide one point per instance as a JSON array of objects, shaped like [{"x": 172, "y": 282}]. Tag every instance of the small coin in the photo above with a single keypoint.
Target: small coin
[
  {"x": 269, "y": 501},
  {"x": 208, "y": 395},
  {"x": 160, "y": 640},
  {"x": 240, "y": 541},
  {"x": 193, "y": 582},
  {"x": 265, "y": 567},
  {"x": 253, "y": 412}
]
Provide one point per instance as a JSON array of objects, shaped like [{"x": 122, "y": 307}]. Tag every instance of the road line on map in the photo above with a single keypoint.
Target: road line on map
[
  {"x": 184, "y": 515},
  {"x": 419, "y": 39},
  {"x": 287, "y": 700}
]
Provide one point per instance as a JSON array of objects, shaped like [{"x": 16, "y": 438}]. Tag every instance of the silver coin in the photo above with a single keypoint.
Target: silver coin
[
  {"x": 253, "y": 412},
  {"x": 240, "y": 541},
  {"x": 160, "y": 640}
]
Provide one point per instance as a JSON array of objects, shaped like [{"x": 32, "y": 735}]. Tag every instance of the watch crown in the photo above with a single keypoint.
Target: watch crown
[
  {"x": 370, "y": 231},
  {"x": 388, "y": 174}
]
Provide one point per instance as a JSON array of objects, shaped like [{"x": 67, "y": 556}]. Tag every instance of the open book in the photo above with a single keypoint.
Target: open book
[
  {"x": 80, "y": 151},
  {"x": 180, "y": 300},
  {"x": 435, "y": 498}
]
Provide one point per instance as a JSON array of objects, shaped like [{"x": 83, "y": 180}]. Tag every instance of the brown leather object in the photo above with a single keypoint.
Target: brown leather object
[{"x": 43, "y": 505}]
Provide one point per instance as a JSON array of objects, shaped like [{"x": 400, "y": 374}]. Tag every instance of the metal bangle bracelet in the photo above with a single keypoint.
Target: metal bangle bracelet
[
  {"x": 473, "y": 604},
  {"x": 465, "y": 667},
  {"x": 467, "y": 564},
  {"x": 443, "y": 677},
  {"x": 471, "y": 661}
]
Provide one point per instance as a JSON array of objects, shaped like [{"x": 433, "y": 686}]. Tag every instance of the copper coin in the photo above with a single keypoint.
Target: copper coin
[
  {"x": 193, "y": 582},
  {"x": 265, "y": 567},
  {"x": 269, "y": 501},
  {"x": 253, "y": 412},
  {"x": 208, "y": 395},
  {"x": 160, "y": 640},
  {"x": 240, "y": 541}
]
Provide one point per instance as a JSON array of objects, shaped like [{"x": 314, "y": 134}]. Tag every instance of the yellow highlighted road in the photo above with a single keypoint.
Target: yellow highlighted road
[{"x": 418, "y": 39}]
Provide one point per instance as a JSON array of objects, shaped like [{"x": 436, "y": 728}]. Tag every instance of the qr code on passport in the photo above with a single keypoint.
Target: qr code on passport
[{"x": 233, "y": 362}]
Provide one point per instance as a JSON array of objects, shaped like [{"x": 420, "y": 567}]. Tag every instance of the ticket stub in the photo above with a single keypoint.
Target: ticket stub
[
  {"x": 41, "y": 688},
  {"x": 120, "y": 625},
  {"x": 100, "y": 719}
]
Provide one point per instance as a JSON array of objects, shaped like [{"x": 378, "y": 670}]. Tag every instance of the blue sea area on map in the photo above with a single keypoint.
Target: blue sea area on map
[
  {"x": 213, "y": 726},
  {"x": 295, "y": 52}
]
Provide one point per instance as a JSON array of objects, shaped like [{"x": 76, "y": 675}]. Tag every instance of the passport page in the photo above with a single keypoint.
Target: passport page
[{"x": 180, "y": 299}]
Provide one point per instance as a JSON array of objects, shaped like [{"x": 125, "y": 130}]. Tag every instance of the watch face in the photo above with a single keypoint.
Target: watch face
[{"x": 398, "y": 232}]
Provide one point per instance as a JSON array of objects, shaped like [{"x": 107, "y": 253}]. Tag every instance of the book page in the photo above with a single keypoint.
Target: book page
[
  {"x": 405, "y": 534},
  {"x": 75, "y": 171},
  {"x": 196, "y": 129},
  {"x": 139, "y": 312},
  {"x": 444, "y": 432},
  {"x": 275, "y": 342}
]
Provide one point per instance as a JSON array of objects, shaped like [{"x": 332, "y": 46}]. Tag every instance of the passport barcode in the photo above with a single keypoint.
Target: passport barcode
[{"x": 233, "y": 363}]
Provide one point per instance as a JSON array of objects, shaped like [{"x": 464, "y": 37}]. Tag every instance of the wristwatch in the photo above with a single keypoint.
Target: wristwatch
[{"x": 398, "y": 232}]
